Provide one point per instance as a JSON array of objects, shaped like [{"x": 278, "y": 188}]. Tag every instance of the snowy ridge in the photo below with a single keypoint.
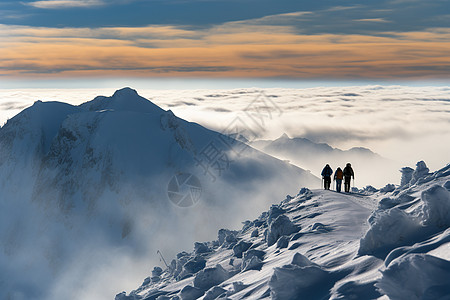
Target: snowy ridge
[{"x": 388, "y": 244}]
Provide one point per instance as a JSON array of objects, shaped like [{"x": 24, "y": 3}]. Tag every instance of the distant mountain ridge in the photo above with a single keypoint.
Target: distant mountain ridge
[
  {"x": 289, "y": 145},
  {"x": 313, "y": 156}
]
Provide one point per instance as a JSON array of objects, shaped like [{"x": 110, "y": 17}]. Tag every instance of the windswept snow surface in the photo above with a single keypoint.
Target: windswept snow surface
[
  {"x": 393, "y": 244},
  {"x": 84, "y": 193}
]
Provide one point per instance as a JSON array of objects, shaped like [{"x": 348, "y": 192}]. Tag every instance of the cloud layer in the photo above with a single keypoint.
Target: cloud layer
[
  {"x": 238, "y": 49},
  {"x": 403, "y": 123}
]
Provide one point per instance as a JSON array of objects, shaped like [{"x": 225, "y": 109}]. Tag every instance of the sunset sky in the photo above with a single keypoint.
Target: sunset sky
[{"x": 287, "y": 39}]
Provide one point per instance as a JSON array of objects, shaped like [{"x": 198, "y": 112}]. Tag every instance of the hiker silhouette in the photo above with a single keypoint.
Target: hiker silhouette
[
  {"x": 326, "y": 175},
  {"x": 338, "y": 176},
  {"x": 348, "y": 175}
]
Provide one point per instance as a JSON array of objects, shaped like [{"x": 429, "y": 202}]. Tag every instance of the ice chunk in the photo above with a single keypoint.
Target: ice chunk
[
  {"x": 122, "y": 296},
  {"x": 406, "y": 176},
  {"x": 283, "y": 242},
  {"x": 179, "y": 265},
  {"x": 388, "y": 188},
  {"x": 241, "y": 247},
  {"x": 369, "y": 190},
  {"x": 302, "y": 261},
  {"x": 296, "y": 282},
  {"x": 147, "y": 280},
  {"x": 420, "y": 172},
  {"x": 447, "y": 185},
  {"x": 282, "y": 225},
  {"x": 303, "y": 191},
  {"x": 436, "y": 208},
  {"x": 254, "y": 263},
  {"x": 274, "y": 212},
  {"x": 157, "y": 271},
  {"x": 191, "y": 293},
  {"x": 226, "y": 235},
  {"x": 214, "y": 293},
  {"x": 252, "y": 260},
  {"x": 387, "y": 203},
  {"x": 388, "y": 230},
  {"x": 238, "y": 286},
  {"x": 200, "y": 248},
  {"x": 194, "y": 265},
  {"x": 416, "y": 277},
  {"x": 395, "y": 227},
  {"x": 246, "y": 225},
  {"x": 209, "y": 277},
  {"x": 253, "y": 252}
]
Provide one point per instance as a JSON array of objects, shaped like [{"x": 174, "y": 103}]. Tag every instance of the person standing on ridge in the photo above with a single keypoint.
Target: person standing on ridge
[
  {"x": 326, "y": 175},
  {"x": 338, "y": 176},
  {"x": 348, "y": 175}
]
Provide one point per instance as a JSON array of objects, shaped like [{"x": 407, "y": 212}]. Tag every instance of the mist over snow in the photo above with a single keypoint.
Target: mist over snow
[{"x": 87, "y": 196}]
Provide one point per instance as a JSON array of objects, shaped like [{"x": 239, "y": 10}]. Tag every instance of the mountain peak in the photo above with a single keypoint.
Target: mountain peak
[
  {"x": 125, "y": 92},
  {"x": 284, "y": 136},
  {"x": 125, "y": 99}
]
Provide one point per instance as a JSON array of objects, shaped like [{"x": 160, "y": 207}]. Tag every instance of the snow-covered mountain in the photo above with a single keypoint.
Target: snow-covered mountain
[
  {"x": 387, "y": 244},
  {"x": 85, "y": 191},
  {"x": 370, "y": 167}
]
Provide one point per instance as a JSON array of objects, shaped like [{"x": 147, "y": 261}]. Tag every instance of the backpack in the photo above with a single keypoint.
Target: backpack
[{"x": 348, "y": 172}]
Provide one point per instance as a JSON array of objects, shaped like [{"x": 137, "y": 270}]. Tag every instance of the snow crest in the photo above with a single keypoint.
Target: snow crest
[{"x": 403, "y": 219}]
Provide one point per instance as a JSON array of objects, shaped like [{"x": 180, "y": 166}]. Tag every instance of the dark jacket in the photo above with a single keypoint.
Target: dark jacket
[
  {"x": 348, "y": 172},
  {"x": 327, "y": 171}
]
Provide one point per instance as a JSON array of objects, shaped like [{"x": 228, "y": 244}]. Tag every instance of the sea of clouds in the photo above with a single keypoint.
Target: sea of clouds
[{"x": 402, "y": 123}]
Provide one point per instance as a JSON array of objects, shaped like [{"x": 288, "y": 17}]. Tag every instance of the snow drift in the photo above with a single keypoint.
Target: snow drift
[
  {"x": 417, "y": 276},
  {"x": 406, "y": 218}
]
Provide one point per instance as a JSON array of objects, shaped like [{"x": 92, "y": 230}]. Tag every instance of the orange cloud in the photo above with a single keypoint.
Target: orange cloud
[{"x": 231, "y": 50}]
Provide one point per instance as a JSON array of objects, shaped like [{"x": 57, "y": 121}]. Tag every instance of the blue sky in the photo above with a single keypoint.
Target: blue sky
[{"x": 328, "y": 16}]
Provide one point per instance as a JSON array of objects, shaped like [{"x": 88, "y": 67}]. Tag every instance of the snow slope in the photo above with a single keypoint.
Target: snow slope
[
  {"x": 84, "y": 192},
  {"x": 390, "y": 244}
]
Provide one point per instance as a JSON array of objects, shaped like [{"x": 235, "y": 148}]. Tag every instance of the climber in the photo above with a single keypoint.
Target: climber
[
  {"x": 326, "y": 176},
  {"x": 338, "y": 176},
  {"x": 348, "y": 175}
]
